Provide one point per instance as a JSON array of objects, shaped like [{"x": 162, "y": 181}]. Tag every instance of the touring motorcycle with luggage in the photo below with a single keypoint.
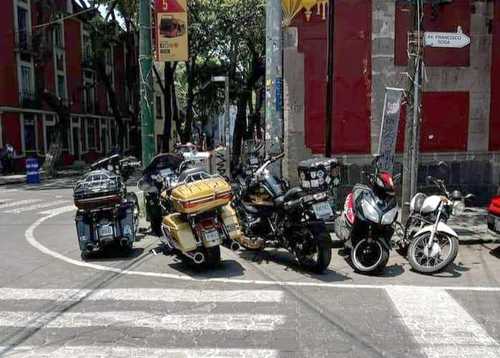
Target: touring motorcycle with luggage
[
  {"x": 429, "y": 243},
  {"x": 366, "y": 224},
  {"x": 106, "y": 212},
  {"x": 200, "y": 217},
  {"x": 294, "y": 219}
]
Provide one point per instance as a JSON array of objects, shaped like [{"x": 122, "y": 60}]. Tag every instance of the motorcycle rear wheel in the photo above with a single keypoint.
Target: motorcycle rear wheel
[
  {"x": 369, "y": 263},
  {"x": 212, "y": 257},
  {"x": 429, "y": 265},
  {"x": 318, "y": 261}
]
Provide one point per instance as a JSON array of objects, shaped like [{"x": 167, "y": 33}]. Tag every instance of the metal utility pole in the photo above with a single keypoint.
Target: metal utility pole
[
  {"x": 146, "y": 85},
  {"x": 329, "y": 80},
  {"x": 226, "y": 114},
  {"x": 414, "y": 103},
  {"x": 274, "y": 78}
]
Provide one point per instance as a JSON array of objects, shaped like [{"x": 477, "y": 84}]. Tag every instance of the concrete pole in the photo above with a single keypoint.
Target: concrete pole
[
  {"x": 414, "y": 100},
  {"x": 274, "y": 80},
  {"x": 146, "y": 82},
  {"x": 227, "y": 119}
]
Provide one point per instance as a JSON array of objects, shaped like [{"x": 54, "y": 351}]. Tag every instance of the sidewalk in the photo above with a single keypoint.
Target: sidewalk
[
  {"x": 472, "y": 229},
  {"x": 21, "y": 178}
]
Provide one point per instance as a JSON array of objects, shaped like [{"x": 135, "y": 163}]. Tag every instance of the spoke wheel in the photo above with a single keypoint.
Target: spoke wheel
[{"x": 428, "y": 260}]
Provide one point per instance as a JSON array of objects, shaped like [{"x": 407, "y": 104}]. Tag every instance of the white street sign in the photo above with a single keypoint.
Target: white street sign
[{"x": 447, "y": 39}]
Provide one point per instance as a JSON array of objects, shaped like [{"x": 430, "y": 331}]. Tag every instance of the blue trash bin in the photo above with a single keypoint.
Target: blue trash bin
[{"x": 32, "y": 171}]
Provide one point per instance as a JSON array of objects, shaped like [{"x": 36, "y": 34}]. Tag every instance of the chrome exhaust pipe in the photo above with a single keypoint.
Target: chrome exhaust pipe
[{"x": 235, "y": 246}]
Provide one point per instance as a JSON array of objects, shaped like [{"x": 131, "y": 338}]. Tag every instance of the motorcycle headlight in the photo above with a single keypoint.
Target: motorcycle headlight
[
  {"x": 370, "y": 212},
  {"x": 390, "y": 216}
]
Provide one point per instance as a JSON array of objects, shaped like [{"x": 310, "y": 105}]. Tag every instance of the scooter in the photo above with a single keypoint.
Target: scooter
[{"x": 366, "y": 224}]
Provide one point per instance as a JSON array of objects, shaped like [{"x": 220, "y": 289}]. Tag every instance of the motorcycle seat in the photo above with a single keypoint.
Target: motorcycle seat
[{"x": 191, "y": 172}]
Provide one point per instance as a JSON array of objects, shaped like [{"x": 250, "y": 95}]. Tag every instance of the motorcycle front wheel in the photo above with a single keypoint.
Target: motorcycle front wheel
[
  {"x": 319, "y": 256},
  {"x": 369, "y": 256},
  {"x": 431, "y": 260}
]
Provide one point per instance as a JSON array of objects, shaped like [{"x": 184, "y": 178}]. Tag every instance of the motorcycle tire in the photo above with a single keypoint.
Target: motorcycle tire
[
  {"x": 156, "y": 222},
  {"x": 132, "y": 197},
  {"x": 323, "y": 258},
  {"x": 369, "y": 269},
  {"x": 212, "y": 257},
  {"x": 454, "y": 244}
]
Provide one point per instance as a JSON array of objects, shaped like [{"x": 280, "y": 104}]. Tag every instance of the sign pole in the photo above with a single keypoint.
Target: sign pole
[
  {"x": 274, "y": 79},
  {"x": 413, "y": 106},
  {"x": 146, "y": 85}
]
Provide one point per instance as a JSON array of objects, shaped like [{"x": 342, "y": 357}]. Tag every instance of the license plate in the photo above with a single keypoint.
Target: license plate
[
  {"x": 323, "y": 210},
  {"x": 211, "y": 238},
  {"x": 105, "y": 231}
]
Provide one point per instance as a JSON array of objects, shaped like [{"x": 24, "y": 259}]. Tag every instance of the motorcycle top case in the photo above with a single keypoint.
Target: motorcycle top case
[
  {"x": 98, "y": 189},
  {"x": 201, "y": 196},
  {"x": 316, "y": 174}
]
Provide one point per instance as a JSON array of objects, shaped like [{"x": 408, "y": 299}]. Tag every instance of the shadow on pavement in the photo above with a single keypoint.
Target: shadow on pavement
[
  {"x": 114, "y": 254},
  {"x": 226, "y": 269},
  {"x": 289, "y": 262},
  {"x": 495, "y": 252}
]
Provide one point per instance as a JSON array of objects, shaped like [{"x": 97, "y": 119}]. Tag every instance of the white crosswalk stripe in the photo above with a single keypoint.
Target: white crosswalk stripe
[
  {"x": 441, "y": 326},
  {"x": 64, "y": 314},
  {"x": 8, "y": 191},
  {"x": 19, "y": 203},
  {"x": 35, "y": 207},
  {"x": 147, "y": 294}
]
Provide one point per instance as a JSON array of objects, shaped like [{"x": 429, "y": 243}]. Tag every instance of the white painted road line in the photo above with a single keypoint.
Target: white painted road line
[
  {"x": 142, "y": 319},
  {"x": 132, "y": 352},
  {"x": 8, "y": 191},
  {"x": 19, "y": 203},
  {"x": 143, "y": 294},
  {"x": 35, "y": 207},
  {"x": 440, "y": 325},
  {"x": 58, "y": 211}
]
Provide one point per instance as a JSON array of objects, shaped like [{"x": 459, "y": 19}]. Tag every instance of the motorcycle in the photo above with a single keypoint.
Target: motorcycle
[
  {"x": 294, "y": 219},
  {"x": 430, "y": 244},
  {"x": 366, "y": 224},
  {"x": 201, "y": 218},
  {"x": 106, "y": 212},
  {"x": 162, "y": 173}
]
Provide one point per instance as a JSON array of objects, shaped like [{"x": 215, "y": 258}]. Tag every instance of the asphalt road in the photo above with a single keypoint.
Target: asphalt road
[{"x": 52, "y": 304}]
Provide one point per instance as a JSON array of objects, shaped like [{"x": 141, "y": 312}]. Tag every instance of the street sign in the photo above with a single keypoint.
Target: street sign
[
  {"x": 447, "y": 39},
  {"x": 171, "y": 30}
]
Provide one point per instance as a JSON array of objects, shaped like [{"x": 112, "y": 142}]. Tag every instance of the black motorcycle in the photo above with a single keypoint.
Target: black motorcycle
[
  {"x": 107, "y": 213},
  {"x": 366, "y": 224},
  {"x": 293, "y": 219}
]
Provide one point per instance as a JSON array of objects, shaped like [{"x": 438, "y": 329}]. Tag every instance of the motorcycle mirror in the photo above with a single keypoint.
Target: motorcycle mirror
[{"x": 470, "y": 196}]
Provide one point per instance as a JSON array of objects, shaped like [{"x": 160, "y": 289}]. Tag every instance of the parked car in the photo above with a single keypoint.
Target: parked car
[{"x": 494, "y": 214}]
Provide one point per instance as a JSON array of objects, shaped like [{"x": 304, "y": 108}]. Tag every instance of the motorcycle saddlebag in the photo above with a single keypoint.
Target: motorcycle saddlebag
[
  {"x": 316, "y": 174},
  {"x": 180, "y": 232},
  {"x": 83, "y": 231},
  {"x": 98, "y": 189},
  {"x": 127, "y": 224},
  {"x": 231, "y": 222},
  {"x": 201, "y": 195}
]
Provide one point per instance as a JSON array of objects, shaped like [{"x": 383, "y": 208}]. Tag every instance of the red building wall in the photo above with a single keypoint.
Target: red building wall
[
  {"x": 352, "y": 92},
  {"x": 119, "y": 68},
  {"x": 12, "y": 130},
  {"x": 8, "y": 68},
  {"x": 495, "y": 82},
  {"x": 72, "y": 40}
]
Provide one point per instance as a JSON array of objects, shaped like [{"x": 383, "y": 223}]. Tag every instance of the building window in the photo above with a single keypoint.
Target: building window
[
  {"x": 87, "y": 47},
  {"x": 159, "y": 110},
  {"x": 58, "y": 36},
  {"x": 26, "y": 92},
  {"x": 91, "y": 128},
  {"x": 29, "y": 130},
  {"x": 60, "y": 62},
  {"x": 22, "y": 27},
  {"x": 61, "y": 86}
]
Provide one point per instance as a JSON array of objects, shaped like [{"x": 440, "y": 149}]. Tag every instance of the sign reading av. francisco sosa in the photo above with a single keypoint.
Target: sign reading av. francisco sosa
[
  {"x": 447, "y": 39},
  {"x": 171, "y": 30}
]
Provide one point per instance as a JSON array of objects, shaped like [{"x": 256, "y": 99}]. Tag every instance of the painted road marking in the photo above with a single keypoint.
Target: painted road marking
[
  {"x": 440, "y": 325},
  {"x": 143, "y": 294},
  {"x": 19, "y": 203},
  {"x": 58, "y": 211},
  {"x": 113, "y": 351},
  {"x": 142, "y": 319},
  {"x": 30, "y": 238},
  {"x": 35, "y": 207},
  {"x": 8, "y": 191}
]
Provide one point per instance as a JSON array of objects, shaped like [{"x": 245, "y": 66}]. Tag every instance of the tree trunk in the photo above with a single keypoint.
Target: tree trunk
[
  {"x": 170, "y": 99},
  {"x": 187, "y": 132},
  {"x": 240, "y": 128}
]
